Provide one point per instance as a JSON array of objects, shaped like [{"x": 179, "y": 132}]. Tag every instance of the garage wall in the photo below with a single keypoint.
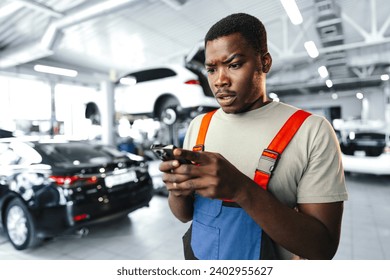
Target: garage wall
[
  {"x": 351, "y": 107},
  {"x": 376, "y": 99}
]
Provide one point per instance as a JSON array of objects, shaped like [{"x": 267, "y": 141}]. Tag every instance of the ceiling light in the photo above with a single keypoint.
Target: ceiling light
[
  {"x": 359, "y": 95},
  {"x": 274, "y": 96},
  {"x": 385, "y": 77},
  {"x": 323, "y": 71},
  {"x": 128, "y": 81},
  {"x": 311, "y": 49},
  {"x": 335, "y": 96},
  {"x": 10, "y": 8},
  {"x": 292, "y": 11},
  {"x": 55, "y": 70},
  {"x": 329, "y": 83}
]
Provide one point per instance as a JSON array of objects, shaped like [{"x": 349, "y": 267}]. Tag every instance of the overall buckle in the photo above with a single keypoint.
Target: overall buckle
[
  {"x": 198, "y": 148},
  {"x": 268, "y": 161}
]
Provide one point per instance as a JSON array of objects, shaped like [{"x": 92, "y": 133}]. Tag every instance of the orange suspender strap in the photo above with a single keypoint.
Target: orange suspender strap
[
  {"x": 270, "y": 156},
  {"x": 204, "y": 126}
]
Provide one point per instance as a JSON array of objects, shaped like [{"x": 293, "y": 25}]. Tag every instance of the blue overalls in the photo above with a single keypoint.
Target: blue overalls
[{"x": 222, "y": 230}]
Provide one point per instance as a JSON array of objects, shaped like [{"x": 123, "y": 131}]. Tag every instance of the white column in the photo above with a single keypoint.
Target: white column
[
  {"x": 53, "y": 117},
  {"x": 387, "y": 102},
  {"x": 107, "y": 108}
]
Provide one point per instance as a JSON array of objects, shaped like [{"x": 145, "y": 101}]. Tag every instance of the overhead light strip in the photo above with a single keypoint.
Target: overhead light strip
[
  {"x": 128, "y": 81},
  {"x": 385, "y": 77},
  {"x": 55, "y": 70},
  {"x": 323, "y": 71},
  {"x": 292, "y": 11},
  {"x": 9, "y": 8},
  {"x": 311, "y": 49}
]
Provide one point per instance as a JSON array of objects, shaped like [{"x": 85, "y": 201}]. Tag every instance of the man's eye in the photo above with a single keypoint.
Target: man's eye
[
  {"x": 234, "y": 65},
  {"x": 210, "y": 70}
]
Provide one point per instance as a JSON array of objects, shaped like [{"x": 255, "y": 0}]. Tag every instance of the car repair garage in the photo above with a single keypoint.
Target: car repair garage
[{"x": 87, "y": 87}]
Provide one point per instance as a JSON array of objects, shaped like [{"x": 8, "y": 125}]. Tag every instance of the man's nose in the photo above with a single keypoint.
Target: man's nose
[{"x": 222, "y": 78}]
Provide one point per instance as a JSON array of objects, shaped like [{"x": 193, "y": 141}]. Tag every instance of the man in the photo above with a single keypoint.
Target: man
[{"x": 299, "y": 211}]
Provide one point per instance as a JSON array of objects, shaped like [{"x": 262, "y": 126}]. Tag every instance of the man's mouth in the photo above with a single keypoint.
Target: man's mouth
[{"x": 225, "y": 98}]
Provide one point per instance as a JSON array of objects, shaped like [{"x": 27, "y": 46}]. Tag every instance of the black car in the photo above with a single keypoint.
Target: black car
[{"x": 49, "y": 188}]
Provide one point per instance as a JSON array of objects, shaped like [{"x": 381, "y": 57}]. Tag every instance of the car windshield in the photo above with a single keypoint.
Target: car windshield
[
  {"x": 370, "y": 136},
  {"x": 75, "y": 153},
  {"x": 152, "y": 74}
]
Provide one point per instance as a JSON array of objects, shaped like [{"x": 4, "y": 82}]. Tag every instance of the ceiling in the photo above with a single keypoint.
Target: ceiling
[{"x": 104, "y": 39}]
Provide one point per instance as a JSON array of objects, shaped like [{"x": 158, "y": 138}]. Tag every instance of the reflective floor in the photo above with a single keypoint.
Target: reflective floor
[
  {"x": 153, "y": 233},
  {"x": 366, "y": 222}
]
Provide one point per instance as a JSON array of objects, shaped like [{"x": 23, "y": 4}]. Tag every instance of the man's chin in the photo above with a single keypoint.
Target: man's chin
[{"x": 229, "y": 110}]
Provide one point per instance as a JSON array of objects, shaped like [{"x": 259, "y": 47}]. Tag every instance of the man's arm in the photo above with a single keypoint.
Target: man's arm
[
  {"x": 312, "y": 232},
  {"x": 181, "y": 206}
]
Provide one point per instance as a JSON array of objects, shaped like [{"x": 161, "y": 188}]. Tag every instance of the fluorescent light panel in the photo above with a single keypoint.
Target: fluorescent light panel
[
  {"x": 55, "y": 70},
  {"x": 311, "y": 49},
  {"x": 323, "y": 71},
  {"x": 292, "y": 11},
  {"x": 9, "y": 8},
  {"x": 385, "y": 77},
  {"x": 329, "y": 83},
  {"x": 128, "y": 81},
  {"x": 273, "y": 95}
]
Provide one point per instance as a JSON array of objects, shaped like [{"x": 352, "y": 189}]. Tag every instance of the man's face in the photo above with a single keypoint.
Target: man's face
[{"x": 235, "y": 74}]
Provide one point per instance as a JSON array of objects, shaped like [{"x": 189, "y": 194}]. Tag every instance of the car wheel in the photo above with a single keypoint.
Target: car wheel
[
  {"x": 19, "y": 225},
  {"x": 168, "y": 111}
]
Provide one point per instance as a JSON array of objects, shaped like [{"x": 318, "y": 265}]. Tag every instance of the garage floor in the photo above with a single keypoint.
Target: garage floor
[{"x": 153, "y": 233}]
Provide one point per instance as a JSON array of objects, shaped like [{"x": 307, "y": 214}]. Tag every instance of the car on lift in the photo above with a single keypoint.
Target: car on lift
[
  {"x": 166, "y": 93},
  {"x": 50, "y": 188},
  {"x": 365, "y": 148}
]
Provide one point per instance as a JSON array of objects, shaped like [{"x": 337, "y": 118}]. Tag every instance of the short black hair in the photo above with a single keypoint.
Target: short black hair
[{"x": 250, "y": 27}]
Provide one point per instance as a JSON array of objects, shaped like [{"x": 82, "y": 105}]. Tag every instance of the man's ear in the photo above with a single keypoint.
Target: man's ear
[{"x": 266, "y": 61}]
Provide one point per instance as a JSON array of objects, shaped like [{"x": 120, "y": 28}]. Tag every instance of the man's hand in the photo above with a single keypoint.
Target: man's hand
[
  {"x": 210, "y": 175},
  {"x": 171, "y": 178}
]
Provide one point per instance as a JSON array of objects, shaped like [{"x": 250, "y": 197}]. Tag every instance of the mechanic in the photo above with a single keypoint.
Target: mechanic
[{"x": 266, "y": 179}]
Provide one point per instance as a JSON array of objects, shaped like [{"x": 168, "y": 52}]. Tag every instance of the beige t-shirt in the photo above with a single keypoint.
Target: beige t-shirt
[{"x": 310, "y": 168}]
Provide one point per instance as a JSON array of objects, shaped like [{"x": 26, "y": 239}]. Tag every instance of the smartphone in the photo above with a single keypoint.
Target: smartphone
[{"x": 165, "y": 152}]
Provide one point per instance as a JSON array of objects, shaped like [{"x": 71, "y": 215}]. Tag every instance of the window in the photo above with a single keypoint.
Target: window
[{"x": 76, "y": 153}]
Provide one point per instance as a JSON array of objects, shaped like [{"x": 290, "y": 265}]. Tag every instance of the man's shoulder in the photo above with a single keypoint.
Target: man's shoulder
[{"x": 290, "y": 109}]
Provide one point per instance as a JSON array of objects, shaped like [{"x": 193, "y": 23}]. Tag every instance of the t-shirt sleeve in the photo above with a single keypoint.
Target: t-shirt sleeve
[{"x": 323, "y": 180}]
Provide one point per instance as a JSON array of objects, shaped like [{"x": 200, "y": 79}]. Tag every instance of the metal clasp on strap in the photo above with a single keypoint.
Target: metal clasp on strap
[
  {"x": 198, "y": 148},
  {"x": 268, "y": 160}
]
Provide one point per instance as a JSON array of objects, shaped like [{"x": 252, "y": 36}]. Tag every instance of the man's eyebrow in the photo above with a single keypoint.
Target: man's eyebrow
[
  {"x": 231, "y": 58},
  {"x": 226, "y": 61}
]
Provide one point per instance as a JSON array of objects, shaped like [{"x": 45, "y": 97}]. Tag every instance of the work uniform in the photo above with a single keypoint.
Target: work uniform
[{"x": 309, "y": 171}]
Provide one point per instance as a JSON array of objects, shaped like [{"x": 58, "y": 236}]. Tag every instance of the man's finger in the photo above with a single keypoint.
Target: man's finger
[
  {"x": 195, "y": 157},
  {"x": 174, "y": 178},
  {"x": 167, "y": 166}
]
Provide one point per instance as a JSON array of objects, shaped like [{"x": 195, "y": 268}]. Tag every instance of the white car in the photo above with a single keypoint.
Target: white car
[
  {"x": 164, "y": 93},
  {"x": 366, "y": 151}
]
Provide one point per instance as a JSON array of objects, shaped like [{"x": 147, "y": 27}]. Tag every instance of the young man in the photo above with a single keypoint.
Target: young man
[{"x": 299, "y": 211}]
